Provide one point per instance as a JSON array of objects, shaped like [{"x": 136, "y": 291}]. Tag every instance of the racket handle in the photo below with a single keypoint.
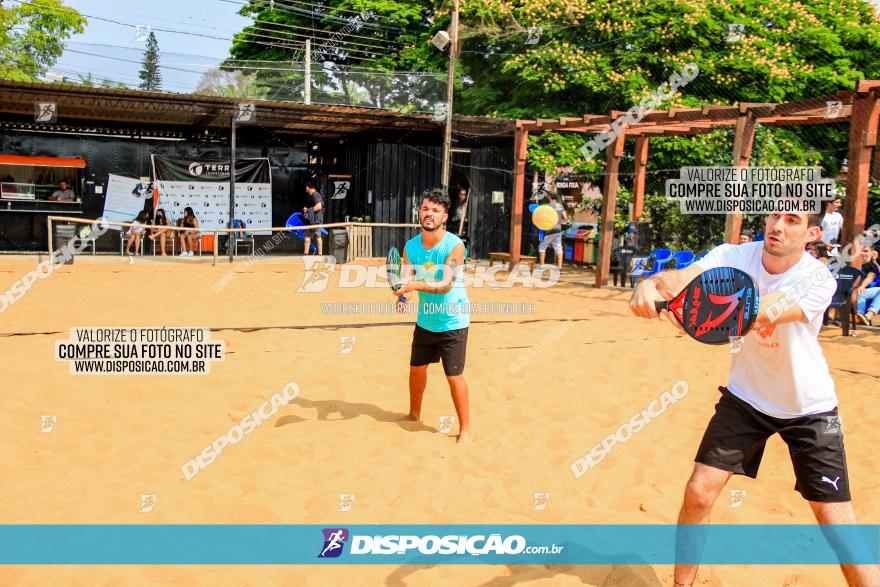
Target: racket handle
[
  {"x": 401, "y": 299},
  {"x": 661, "y": 306}
]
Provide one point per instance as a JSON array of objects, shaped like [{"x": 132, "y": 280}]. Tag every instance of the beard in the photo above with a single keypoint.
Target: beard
[{"x": 431, "y": 228}]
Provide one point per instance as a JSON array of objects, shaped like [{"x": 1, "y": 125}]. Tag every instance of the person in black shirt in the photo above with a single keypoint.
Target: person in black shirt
[
  {"x": 869, "y": 297},
  {"x": 314, "y": 213}
]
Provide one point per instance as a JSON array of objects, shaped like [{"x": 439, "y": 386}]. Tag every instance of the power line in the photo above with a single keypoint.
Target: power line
[
  {"x": 331, "y": 33},
  {"x": 290, "y": 9}
]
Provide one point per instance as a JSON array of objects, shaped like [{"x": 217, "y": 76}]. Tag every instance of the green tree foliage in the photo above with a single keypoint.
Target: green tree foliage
[
  {"x": 150, "y": 74},
  {"x": 356, "y": 36},
  {"x": 32, "y": 37},
  {"x": 594, "y": 57}
]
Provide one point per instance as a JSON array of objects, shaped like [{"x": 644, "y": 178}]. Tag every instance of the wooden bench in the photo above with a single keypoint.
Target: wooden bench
[{"x": 504, "y": 258}]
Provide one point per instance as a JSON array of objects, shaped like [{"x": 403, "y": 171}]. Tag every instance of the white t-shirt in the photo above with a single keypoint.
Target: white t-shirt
[
  {"x": 780, "y": 369},
  {"x": 831, "y": 225}
]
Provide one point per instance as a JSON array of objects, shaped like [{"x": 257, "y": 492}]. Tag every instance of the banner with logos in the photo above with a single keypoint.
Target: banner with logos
[
  {"x": 124, "y": 198},
  {"x": 203, "y": 185}
]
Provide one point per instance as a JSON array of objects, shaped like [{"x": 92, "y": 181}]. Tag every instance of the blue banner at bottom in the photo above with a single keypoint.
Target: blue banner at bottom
[{"x": 208, "y": 544}]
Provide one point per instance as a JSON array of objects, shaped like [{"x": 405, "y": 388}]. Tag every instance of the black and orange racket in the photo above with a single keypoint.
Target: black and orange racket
[{"x": 718, "y": 304}]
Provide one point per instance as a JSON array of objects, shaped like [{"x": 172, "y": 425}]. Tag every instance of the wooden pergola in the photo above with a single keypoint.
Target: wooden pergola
[{"x": 859, "y": 108}]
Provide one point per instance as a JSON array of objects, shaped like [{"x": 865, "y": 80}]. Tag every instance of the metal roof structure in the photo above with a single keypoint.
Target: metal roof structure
[{"x": 115, "y": 111}]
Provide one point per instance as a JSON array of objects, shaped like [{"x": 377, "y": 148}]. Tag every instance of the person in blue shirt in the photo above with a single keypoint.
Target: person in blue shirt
[{"x": 432, "y": 264}]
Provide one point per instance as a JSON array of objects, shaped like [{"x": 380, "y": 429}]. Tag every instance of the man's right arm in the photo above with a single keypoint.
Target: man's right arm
[{"x": 660, "y": 287}]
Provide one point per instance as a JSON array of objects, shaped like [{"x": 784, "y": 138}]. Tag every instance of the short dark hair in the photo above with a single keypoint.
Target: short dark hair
[
  {"x": 815, "y": 219},
  {"x": 552, "y": 196},
  {"x": 437, "y": 196},
  {"x": 310, "y": 184},
  {"x": 63, "y": 181}
]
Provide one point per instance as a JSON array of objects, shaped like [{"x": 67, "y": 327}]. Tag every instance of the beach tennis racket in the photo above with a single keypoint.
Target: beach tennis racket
[
  {"x": 392, "y": 268},
  {"x": 718, "y": 304}
]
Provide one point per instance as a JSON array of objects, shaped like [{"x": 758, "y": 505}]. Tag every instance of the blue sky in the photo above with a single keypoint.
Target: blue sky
[{"x": 105, "y": 46}]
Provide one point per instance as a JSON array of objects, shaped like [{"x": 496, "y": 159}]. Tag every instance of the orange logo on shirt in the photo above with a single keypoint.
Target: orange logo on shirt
[{"x": 767, "y": 331}]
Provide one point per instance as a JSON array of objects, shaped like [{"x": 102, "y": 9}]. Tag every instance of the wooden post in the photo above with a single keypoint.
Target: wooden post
[
  {"x": 862, "y": 138},
  {"x": 49, "y": 228},
  {"x": 641, "y": 164},
  {"x": 609, "y": 208},
  {"x": 742, "y": 151},
  {"x": 520, "y": 151}
]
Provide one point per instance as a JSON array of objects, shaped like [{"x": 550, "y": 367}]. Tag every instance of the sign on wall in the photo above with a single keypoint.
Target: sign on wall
[
  {"x": 125, "y": 198},
  {"x": 203, "y": 185}
]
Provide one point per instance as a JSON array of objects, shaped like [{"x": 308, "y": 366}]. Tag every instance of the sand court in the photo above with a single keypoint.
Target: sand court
[{"x": 545, "y": 387}]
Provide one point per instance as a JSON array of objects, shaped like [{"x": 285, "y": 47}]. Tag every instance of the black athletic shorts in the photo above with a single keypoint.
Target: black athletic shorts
[
  {"x": 431, "y": 347},
  {"x": 737, "y": 433}
]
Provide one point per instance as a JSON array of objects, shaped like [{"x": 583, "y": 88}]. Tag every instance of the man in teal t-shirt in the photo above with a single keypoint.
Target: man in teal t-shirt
[{"x": 432, "y": 265}]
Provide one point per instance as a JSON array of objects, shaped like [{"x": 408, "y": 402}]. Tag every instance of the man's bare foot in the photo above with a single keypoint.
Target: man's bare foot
[
  {"x": 465, "y": 437},
  {"x": 410, "y": 418}
]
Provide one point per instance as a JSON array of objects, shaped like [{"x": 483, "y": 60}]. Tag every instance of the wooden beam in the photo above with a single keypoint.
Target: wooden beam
[
  {"x": 609, "y": 208},
  {"x": 520, "y": 151},
  {"x": 866, "y": 85},
  {"x": 862, "y": 135},
  {"x": 641, "y": 164},
  {"x": 743, "y": 140}
]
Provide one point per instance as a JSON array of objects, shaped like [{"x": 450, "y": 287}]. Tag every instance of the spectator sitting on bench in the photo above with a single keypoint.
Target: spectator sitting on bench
[
  {"x": 134, "y": 232},
  {"x": 188, "y": 237},
  {"x": 161, "y": 233},
  {"x": 868, "y": 304}
]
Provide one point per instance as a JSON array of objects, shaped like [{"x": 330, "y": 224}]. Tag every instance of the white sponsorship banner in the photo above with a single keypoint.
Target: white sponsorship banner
[
  {"x": 124, "y": 198},
  {"x": 210, "y": 203}
]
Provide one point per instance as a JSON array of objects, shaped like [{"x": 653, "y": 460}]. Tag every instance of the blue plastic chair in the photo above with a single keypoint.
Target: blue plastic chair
[
  {"x": 295, "y": 220},
  {"x": 640, "y": 264},
  {"x": 683, "y": 259}
]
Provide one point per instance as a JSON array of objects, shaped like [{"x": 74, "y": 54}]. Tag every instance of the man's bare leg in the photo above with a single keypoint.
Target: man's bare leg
[
  {"x": 541, "y": 257},
  {"x": 418, "y": 379},
  {"x": 558, "y": 257},
  {"x": 308, "y": 241},
  {"x": 459, "y": 389},
  {"x": 699, "y": 496},
  {"x": 842, "y": 513}
]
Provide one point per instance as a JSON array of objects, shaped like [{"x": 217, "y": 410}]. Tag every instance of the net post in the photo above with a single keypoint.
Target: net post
[{"x": 216, "y": 247}]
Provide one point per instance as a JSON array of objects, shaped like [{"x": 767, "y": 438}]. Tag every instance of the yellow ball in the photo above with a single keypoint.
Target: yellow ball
[{"x": 545, "y": 217}]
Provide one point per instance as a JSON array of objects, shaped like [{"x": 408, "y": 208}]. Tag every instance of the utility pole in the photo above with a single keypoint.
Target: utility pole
[
  {"x": 308, "y": 65},
  {"x": 450, "y": 87},
  {"x": 232, "y": 235}
]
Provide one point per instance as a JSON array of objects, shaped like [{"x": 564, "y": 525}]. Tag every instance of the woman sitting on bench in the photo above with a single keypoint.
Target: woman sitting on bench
[
  {"x": 188, "y": 237},
  {"x": 162, "y": 233}
]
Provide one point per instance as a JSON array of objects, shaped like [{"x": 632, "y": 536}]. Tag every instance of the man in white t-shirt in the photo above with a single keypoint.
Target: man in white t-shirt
[
  {"x": 779, "y": 381},
  {"x": 832, "y": 222}
]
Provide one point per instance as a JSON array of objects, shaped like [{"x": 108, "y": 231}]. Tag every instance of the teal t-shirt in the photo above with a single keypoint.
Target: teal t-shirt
[{"x": 438, "y": 312}]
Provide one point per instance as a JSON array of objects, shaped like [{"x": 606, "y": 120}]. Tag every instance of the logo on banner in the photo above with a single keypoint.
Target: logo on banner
[
  {"x": 246, "y": 113},
  {"x": 340, "y": 189},
  {"x": 45, "y": 112},
  {"x": 196, "y": 168},
  {"x": 143, "y": 190},
  {"x": 334, "y": 540}
]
